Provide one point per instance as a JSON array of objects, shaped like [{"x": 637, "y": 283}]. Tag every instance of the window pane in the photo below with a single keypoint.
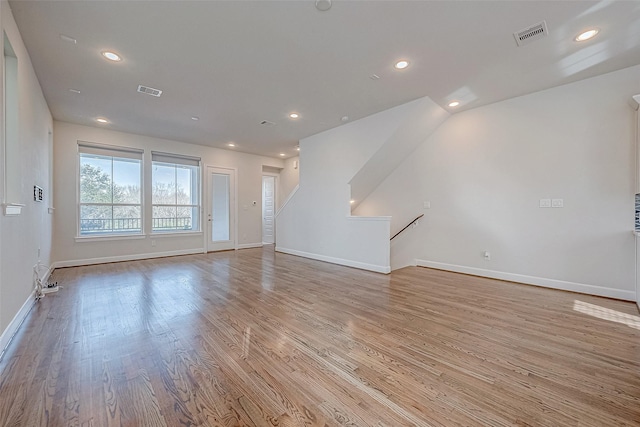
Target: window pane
[
  {"x": 127, "y": 218},
  {"x": 95, "y": 179},
  {"x": 164, "y": 218},
  {"x": 185, "y": 218},
  {"x": 126, "y": 181},
  {"x": 108, "y": 219},
  {"x": 220, "y": 227},
  {"x": 95, "y": 219},
  {"x": 164, "y": 184},
  {"x": 184, "y": 185}
]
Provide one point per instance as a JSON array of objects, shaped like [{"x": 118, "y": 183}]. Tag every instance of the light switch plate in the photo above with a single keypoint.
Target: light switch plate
[
  {"x": 557, "y": 203},
  {"x": 545, "y": 203}
]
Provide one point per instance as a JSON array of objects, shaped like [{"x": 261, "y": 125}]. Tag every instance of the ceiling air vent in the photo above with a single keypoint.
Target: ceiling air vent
[
  {"x": 530, "y": 34},
  {"x": 149, "y": 90},
  {"x": 267, "y": 123}
]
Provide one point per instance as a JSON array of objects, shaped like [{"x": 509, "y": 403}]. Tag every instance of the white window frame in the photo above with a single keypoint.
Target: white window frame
[
  {"x": 168, "y": 159},
  {"x": 117, "y": 152}
]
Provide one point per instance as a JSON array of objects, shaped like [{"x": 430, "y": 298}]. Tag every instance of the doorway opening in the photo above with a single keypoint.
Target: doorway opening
[{"x": 268, "y": 209}]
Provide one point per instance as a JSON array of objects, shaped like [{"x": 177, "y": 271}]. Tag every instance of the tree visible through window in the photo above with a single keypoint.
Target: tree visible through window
[
  {"x": 175, "y": 193},
  {"x": 110, "y": 191}
]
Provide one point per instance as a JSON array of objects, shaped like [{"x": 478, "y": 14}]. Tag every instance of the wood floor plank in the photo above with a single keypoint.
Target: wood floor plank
[{"x": 258, "y": 338}]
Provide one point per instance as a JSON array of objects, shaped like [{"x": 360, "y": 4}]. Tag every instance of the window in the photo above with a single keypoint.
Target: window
[
  {"x": 110, "y": 190},
  {"x": 175, "y": 193}
]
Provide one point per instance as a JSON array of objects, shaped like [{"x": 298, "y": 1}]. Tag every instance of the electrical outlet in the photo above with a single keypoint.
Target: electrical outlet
[
  {"x": 487, "y": 255},
  {"x": 545, "y": 203},
  {"x": 153, "y": 242},
  {"x": 557, "y": 203},
  {"x": 427, "y": 205}
]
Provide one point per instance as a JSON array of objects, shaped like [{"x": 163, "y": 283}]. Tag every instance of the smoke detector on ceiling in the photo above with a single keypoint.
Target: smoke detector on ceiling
[
  {"x": 531, "y": 33},
  {"x": 149, "y": 90}
]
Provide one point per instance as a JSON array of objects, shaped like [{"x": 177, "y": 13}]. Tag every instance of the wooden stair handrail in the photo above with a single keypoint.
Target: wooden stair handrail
[{"x": 407, "y": 226}]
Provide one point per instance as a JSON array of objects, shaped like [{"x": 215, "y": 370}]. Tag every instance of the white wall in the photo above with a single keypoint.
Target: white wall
[
  {"x": 316, "y": 222},
  {"x": 22, "y": 235},
  {"x": 68, "y": 251},
  {"x": 485, "y": 170},
  {"x": 423, "y": 117},
  {"x": 288, "y": 179}
]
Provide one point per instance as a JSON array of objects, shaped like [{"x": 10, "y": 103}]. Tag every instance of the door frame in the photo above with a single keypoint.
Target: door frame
[{"x": 205, "y": 211}]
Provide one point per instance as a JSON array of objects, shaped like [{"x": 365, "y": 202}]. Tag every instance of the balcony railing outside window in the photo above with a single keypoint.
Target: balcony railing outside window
[
  {"x": 180, "y": 223},
  {"x": 124, "y": 225}
]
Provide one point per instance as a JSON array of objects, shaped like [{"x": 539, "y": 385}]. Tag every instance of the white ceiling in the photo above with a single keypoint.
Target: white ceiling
[{"x": 236, "y": 63}]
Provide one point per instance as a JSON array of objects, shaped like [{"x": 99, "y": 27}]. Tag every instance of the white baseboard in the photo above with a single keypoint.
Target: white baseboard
[
  {"x": 249, "y": 245},
  {"x": 349, "y": 263},
  {"x": 532, "y": 280},
  {"x": 119, "y": 258},
  {"x": 15, "y": 323}
]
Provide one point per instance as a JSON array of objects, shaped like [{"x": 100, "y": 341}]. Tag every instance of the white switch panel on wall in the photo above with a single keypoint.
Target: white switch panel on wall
[
  {"x": 557, "y": 203},
  {"x": 545, "y": 203}
]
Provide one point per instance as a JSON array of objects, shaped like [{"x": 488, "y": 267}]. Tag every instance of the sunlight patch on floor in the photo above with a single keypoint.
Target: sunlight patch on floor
[{"x": 607, "y": 314}]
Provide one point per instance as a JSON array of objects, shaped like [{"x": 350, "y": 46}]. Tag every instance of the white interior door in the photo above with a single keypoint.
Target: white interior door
[
  {"x": 221, "y": 209},
  {"x": 268, "y": 209}
]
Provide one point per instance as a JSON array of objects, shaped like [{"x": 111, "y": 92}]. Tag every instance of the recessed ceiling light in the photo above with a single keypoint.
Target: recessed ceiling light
[
  {"x": 74, "y": 90},
  {"x": 102, "y": 120},
  {"x": 231, "y": 144},
  {"x": 401, "y": 65},
  {"x": 584, "y": 36},
  {"x": 454, "y": 103},
  {"x": 352, "y": 201},
  {"x": 195, "y": 118},
  {"x": 111, "y": 56},
  {"x": 297, "y": 148},
  {"x": 294, "y": 115},
  {"x": 282, "y": 154}
]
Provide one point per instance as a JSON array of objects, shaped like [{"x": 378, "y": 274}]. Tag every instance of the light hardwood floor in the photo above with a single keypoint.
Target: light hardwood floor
[{"x": 260, "y": 338}]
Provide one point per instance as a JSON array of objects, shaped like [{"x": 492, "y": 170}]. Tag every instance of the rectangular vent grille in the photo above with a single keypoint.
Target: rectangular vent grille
[
  {"x": 531, "y": 34},
  {"x": 149, "y": 90}
]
